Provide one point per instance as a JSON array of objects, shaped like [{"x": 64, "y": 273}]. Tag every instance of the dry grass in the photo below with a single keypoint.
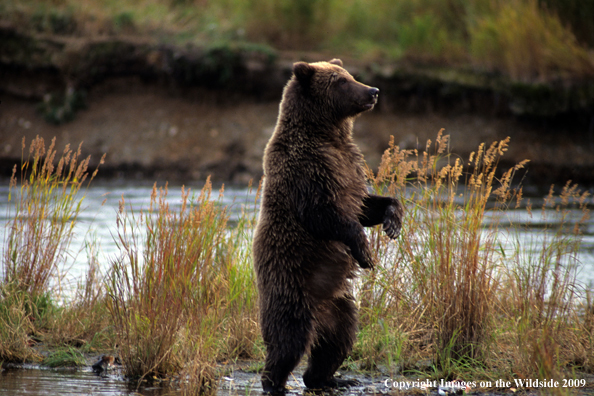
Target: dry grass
[
  {"x": 15, "y": 327},
  {"x": 182, "y": 295},
  {"x": 165, "y": 273},
  {"x": 452, "y": 290},
  {"x": 44, "y": 204}
]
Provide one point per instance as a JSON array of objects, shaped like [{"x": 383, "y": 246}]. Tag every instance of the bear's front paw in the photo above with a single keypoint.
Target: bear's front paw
[
  {"x": 393, "y": 220},
  {"x": 364, "y": 258}
]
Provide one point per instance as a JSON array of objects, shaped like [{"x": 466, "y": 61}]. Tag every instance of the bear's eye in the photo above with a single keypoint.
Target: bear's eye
[{"x": 342, "y": 80}]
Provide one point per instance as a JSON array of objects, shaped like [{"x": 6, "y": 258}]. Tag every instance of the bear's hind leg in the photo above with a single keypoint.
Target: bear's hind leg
[
  {"x": 277, "y": 369},
  {"x": 287, "y": 335},
  {"x": 333, "y": 344}
]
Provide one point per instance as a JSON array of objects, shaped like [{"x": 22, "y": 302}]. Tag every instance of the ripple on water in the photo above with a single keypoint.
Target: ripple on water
[{"x": 40, "y": 382}]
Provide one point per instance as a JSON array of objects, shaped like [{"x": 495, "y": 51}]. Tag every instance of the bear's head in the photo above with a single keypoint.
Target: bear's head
[{"x": 332, "y": 88}]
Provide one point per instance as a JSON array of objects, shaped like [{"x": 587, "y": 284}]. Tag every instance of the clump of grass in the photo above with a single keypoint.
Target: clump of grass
[
  {"x": 181, "y": 294},
  {"x": 46, "y": 207},
  {"x": 543, "y": 290},
  {"x": 153, "y": 289},
  {"x": 44, "y": 204},
  {"x": 65, "y": 357},
  {"x": 451, "y": 290},
  {"x": 15, "y": 327},
  {"x": 447, "y": 259},
  {"x": 84, "y": 321}
]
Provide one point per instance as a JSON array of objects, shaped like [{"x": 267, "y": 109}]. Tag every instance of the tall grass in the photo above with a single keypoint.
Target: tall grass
[
  {"x": 543, "y": 290},
  {"x": 44, "y": 204},
  {"x": 156, "y": 285},
  {"x": 181, "y": 294},
  {"x": 525, "y": 39},
  {"x": 459, "y": 288},
  {"x": 46, "y": 207}
]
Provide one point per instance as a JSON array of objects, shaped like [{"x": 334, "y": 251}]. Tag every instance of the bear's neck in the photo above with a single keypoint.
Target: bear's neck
[{"x": 317, "y": 127}]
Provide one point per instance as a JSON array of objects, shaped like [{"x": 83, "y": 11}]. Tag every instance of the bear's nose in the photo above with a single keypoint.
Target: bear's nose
[{"x": 374, "y": 92}]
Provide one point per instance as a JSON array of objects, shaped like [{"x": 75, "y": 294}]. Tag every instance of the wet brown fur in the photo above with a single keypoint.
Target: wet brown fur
[{"x": 310, "y": 237}]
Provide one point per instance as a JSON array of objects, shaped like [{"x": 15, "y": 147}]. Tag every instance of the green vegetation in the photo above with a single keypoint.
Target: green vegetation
[
  {"x": 458, "y": 290},
  {"x": 44, "y": 205},
  {"x": 58, "y": 108},
  {"x": 66, "y": 357},
  {"x": 525, "y": 39}
]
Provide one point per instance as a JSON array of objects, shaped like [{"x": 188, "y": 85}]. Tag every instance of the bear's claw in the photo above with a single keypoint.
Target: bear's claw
[{"x": 393, "y": 220}]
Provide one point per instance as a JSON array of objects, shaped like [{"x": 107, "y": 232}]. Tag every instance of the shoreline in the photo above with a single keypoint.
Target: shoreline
[{"x": 183, "y": 113}]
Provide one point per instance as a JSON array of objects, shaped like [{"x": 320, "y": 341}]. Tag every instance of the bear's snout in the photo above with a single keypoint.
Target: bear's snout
[{"x": 373, "y": 95}]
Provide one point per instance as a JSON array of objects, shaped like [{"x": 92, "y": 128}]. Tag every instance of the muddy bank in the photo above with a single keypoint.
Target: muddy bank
[{"x": 165, "y": 112}]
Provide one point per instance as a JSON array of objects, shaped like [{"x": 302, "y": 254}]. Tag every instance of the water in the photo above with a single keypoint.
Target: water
[
  {"x": 97, "y": 228},
  {"x": 44, "y": 382}
]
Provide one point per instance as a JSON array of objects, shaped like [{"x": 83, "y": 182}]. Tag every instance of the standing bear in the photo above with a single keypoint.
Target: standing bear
[{"x": 310, "y": 236}]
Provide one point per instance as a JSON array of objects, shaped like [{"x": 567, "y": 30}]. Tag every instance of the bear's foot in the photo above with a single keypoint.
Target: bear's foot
[
  {"x": 269, "y": 389},
  {"x": 331, "y": 383}
]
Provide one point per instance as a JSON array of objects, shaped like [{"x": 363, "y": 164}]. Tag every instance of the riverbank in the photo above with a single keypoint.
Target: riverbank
[
  {"x": 181, "y": 113},
  {"x": 243, "y": 378}
]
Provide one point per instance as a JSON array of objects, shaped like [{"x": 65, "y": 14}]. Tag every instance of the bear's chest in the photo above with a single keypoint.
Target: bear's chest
[{"x": 344, "y": 172}]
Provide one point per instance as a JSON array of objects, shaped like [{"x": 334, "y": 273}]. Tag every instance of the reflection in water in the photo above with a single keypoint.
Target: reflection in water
[{"x": 39, "y": 382}]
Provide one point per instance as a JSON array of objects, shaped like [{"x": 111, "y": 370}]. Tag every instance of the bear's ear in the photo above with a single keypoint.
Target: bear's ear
[
  {"x": 337, "y": 62},
  {"x": 303, "y": 71}
]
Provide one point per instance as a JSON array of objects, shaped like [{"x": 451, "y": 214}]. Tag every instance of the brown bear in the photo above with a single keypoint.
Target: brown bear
[{"x": 310, "y": 236}]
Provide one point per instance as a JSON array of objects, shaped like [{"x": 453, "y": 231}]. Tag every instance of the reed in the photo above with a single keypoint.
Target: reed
[
  {"x": 44, "y": 204},
  {"x": 543, "y": 289},
  {"x": 461, "y": 289},
  {"x": 182, "y": 293},
  {"x": 45, "y": 210},
  {"x": 155, "y": 283},
  {"x": 451, "y": 289}
]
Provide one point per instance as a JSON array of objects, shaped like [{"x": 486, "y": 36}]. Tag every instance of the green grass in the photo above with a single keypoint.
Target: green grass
[
  {"x": 44, "y": 206},
  {"x": 525, "y": 39},
  {"x": 66, "y": 357}
]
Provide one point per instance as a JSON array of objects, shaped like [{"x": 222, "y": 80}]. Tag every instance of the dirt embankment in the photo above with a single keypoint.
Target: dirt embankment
[{"x": 167, "y": 112}]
